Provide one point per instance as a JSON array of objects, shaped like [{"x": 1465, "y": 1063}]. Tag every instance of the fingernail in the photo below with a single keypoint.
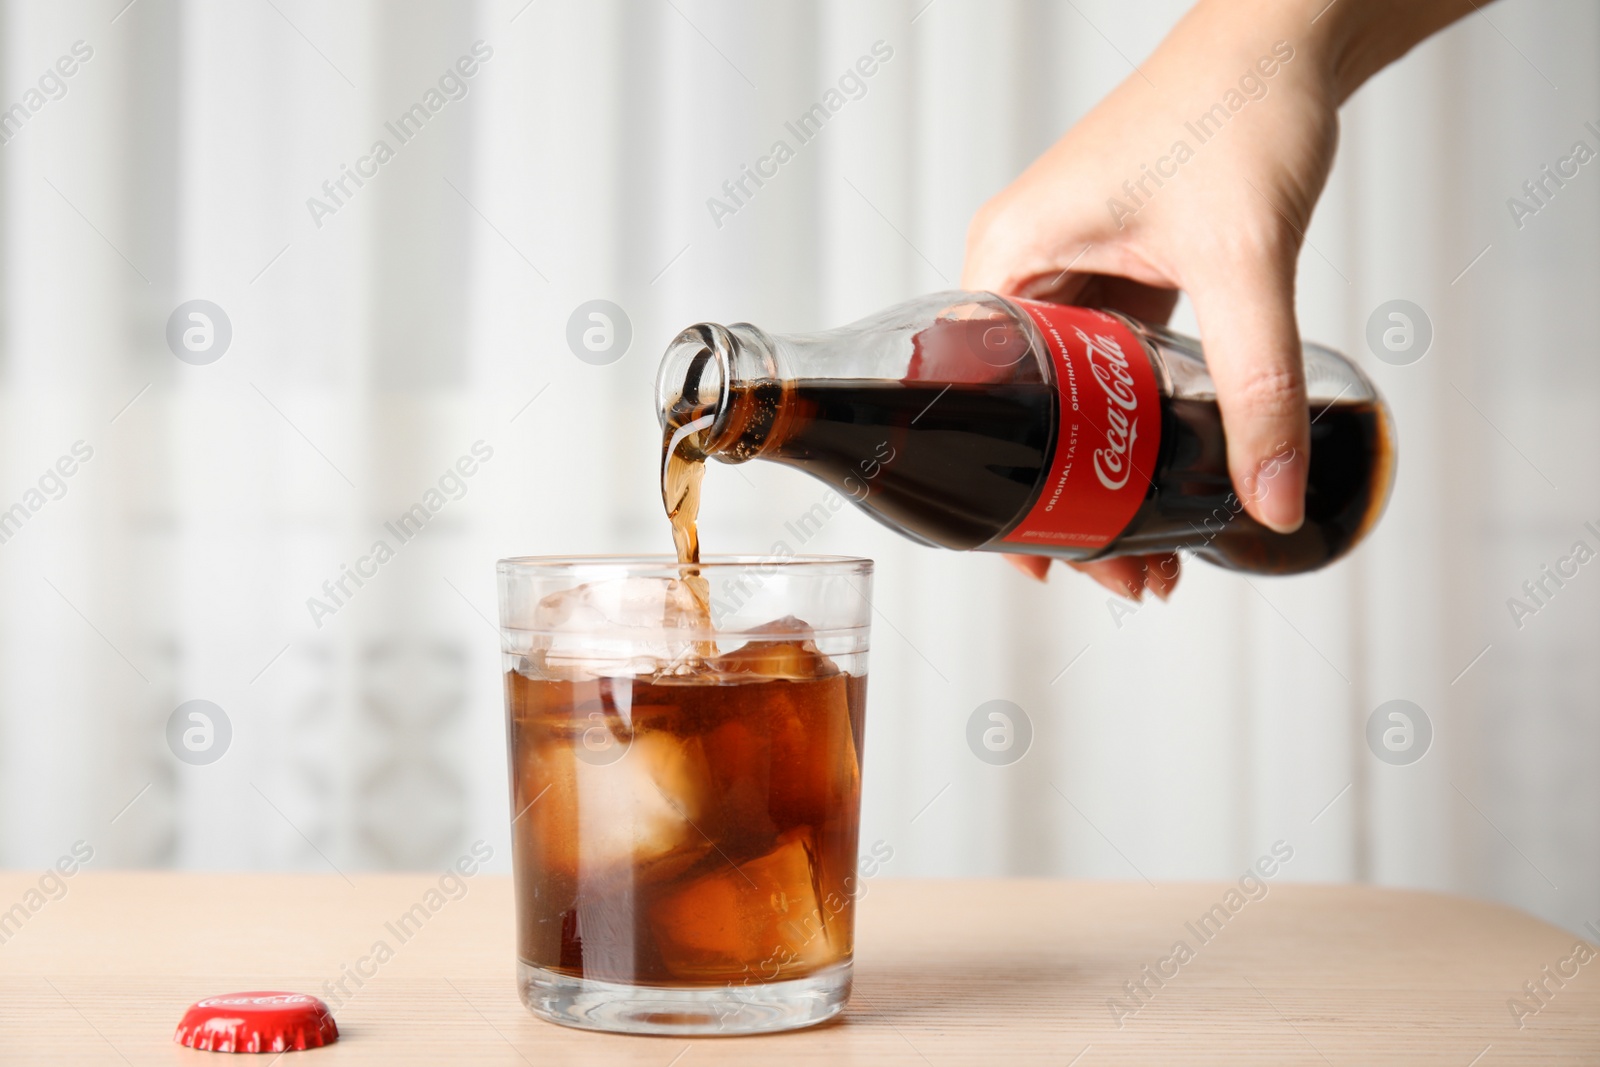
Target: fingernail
[
  {"x": 1279, "y": 495},
  {"x": 1148, "y": 582},
  {"x": 1121, "y": 589},
  {"x": 1162, "y": 574},
  {"x": 1034, "y": 567}
]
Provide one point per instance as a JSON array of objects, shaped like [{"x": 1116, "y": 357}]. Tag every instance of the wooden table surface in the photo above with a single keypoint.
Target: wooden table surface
[{"x": 948, "y": 972}]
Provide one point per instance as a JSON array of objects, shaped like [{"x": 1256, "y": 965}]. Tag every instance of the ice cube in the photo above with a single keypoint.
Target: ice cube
[
  {"x": 762, "y": 921},
  {"x": 617, "y": 626},
  {"x": 739, "y": 753},
  {"x": 594, "y": 819},
  {"x": 814, "y": 773},
  {"x": 630, "y": 603},
  {"x": 791, "y": 652},
  {"x": 791, "y": 741}
]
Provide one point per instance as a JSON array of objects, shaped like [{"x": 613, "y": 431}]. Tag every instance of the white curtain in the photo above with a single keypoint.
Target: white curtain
[{"x": 378, "y": 338}]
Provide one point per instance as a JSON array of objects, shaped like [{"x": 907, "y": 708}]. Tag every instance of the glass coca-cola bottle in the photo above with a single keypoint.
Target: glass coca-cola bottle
[{"x": 971, "y": 421}]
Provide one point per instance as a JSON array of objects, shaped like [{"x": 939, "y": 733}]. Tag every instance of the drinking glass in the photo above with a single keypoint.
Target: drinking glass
[{"x": 685, "y": 752}]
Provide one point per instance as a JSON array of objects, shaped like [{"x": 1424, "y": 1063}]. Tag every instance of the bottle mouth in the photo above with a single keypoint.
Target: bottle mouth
[
  {"x": 695, "y": 380},
  {"x": 727, "y": 383}
]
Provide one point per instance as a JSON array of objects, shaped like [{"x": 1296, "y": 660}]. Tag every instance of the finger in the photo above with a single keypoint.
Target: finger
[
  {"x": 1147, "y": 303},
  {"x": 1252, "y": 348},
  {"x": 1035, "y": 567},
  {"x": 1162, "y": 574},
  {"x": 1124, "y": 576}
]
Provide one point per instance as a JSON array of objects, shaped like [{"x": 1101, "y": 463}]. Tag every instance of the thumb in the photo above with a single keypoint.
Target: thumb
[{"x": 1252, "y": 347}]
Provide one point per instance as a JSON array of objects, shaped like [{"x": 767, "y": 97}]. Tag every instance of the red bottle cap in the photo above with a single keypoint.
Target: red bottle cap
[{"x": 257, "y": 1022}]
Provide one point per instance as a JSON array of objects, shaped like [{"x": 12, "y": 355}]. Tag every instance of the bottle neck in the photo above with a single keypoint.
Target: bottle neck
[
  {"x": 737, "y": 385},
  {"x": 722, "y": 389}
]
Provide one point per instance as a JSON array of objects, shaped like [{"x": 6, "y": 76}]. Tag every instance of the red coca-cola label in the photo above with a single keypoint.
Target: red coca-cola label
[{"x": 1107, "y": 434}]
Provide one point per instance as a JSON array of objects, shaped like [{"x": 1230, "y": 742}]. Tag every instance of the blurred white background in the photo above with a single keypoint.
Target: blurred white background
[{"x": 429, "y": 313}]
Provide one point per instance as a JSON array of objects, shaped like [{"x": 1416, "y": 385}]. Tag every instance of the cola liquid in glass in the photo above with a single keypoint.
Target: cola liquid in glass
[
  {"x": 729, "y": 791},
  {"x": 970, "y": 421}
]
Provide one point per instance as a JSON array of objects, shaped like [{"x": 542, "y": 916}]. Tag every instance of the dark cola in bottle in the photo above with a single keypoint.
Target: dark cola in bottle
[{"x": 971, "y": 421}]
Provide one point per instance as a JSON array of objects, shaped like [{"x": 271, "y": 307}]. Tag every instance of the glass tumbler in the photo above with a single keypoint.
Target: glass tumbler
[{"x": 685, "y": 752}]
